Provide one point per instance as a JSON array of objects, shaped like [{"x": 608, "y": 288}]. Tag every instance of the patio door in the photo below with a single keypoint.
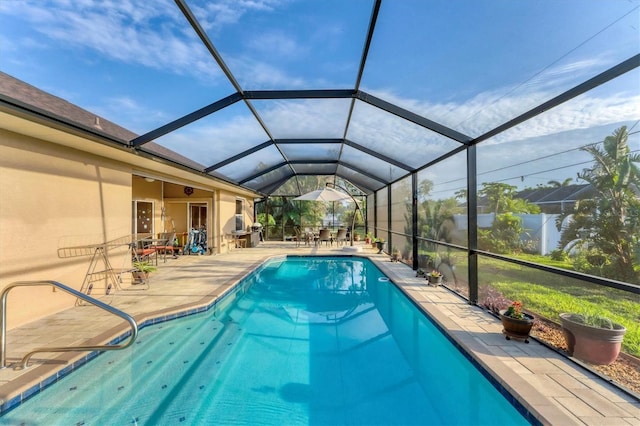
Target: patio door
[{"x": 182, "y": 216}]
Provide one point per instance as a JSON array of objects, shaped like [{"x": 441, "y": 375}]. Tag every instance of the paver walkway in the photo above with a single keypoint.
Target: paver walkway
[{"x": 553, "y": 388}]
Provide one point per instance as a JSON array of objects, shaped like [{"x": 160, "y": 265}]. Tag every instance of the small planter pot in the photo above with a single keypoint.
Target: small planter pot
[
  {"x": 516, "y": 328},
  {"x": 140, "y": 277},
  {"x": 599, "y": 346},
  {"x": 434, "y": 281},
  {"x": 380, "y": 246}
]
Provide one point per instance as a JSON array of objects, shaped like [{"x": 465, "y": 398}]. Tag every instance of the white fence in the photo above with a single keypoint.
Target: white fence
[{"x": 540, "y": 228}]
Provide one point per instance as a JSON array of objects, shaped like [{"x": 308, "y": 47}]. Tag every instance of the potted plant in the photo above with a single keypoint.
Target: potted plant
[
  {"x": 356, "y": 236},
  {"x": 395, "y": 254},
  {"x": 435, "y": 278},
  {"x": 374, "y": 242},
  {"x": 515, "y": 322},
  {"x": 421, "y": 272},
  {"x": 592, "y": 338},
  {"x": 379, "y": 244},
  {"x": 142, "y": 271},
  {"x": 368, "y": 238}
]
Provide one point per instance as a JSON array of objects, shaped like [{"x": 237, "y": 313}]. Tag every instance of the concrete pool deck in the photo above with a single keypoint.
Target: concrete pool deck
[{"x": 554, "y": 389}]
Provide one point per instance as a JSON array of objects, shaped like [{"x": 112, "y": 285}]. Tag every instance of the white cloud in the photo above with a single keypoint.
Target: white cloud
[
  {"x": 276, "y": 43},
  {"x": 489, "y": 109},
  {"x": 257, "y": 75},
  {"x": 145, "y": 33},
  {"x": 156, "y": 35},
  {"x": 215, "y": 16},
  {"x": 583, "y": 120},
  {"x": 325, "y": 118}
]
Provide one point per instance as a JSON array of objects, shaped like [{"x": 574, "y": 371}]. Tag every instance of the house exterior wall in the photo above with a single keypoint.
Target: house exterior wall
[
  {"x": 227, "y": 214},
  {"x": 54, "y": 197}
]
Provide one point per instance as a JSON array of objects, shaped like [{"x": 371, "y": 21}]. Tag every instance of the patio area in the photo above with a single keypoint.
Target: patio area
[{"x": 554, "y": 389}]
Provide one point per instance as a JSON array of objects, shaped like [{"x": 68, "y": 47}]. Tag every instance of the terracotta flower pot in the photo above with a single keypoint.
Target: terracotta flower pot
[
  {"x": 140, "y": 277},
  {"x": 600, "y": 346},
  {"x": 516, "y": 328}
]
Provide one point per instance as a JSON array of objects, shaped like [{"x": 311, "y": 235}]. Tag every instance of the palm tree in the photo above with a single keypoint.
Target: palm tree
[
  {"x": 614, "y": 215},
  {"x": 557, "y": 184}
]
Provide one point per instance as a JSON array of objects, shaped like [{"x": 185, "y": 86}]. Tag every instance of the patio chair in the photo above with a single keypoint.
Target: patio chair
[
  {"x": 164, "y": 244},
  {"x": 341, "y": 236},
  {"x": 325, "y": 236},
  {"x": 298, "y": 237},
  {"x": 144, "y": 249}
]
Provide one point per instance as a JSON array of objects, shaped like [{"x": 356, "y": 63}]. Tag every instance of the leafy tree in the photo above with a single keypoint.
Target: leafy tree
[
  {"x": 504, "y": 234},
  {"x": 266, "y": 219},
  {"x": 435, "y": 218},
  {"x": 438, "y": 221},
  {"x": 347, "y": 216},
  {"x": 501, "y": 199},
  {"x": 496, "y": 195},
  {"x": 610, "y": 222}
]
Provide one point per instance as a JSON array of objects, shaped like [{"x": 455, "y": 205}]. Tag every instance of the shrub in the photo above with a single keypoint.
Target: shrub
[
  {"x": 591, "y": 261},
  {"x": 559, "y": 255},
  {"x": 504, "y": 235},
  {"x": 492, "y": 299}
]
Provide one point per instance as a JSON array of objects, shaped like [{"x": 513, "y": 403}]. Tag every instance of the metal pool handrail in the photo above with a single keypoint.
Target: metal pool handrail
[{"x": 85, "y": 297}]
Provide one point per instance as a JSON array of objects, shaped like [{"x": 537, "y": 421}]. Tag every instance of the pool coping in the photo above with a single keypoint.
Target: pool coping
[
  {"x": 499, "y": 364},
  {"x": 470, "y": 348},
  {"x": 40, "y": 377},
  {"x": 485, "y": 344}
]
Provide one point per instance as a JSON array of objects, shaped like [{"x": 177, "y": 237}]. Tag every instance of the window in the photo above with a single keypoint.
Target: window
[
  {"x": 143, "y": 217},
  {"x": 239, "y": 215},
  {"x": 198, "y": 215}
]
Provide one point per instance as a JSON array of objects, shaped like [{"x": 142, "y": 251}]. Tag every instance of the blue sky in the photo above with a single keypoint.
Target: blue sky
[{"x": 470, "y": 65}]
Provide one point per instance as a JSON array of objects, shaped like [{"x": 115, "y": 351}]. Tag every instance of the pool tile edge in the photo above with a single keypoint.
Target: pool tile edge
[{"x": 546, "y": 413}]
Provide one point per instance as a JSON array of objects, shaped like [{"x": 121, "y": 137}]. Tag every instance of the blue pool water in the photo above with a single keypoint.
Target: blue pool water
[{"x": 309, "y": 341}]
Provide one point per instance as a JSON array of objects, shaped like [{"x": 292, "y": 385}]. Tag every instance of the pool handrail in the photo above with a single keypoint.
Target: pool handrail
[{"x": 24, "y": 363}]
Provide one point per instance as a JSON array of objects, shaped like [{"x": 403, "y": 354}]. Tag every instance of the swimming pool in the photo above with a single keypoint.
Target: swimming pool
[{"x": 303, "y": 340}]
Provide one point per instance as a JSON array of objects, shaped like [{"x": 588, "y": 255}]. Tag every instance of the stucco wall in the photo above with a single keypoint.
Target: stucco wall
[
  {"x": 54, "y": 197},
  {"x": 227, "y": 215},
  {"x": 54, "y": 194}
]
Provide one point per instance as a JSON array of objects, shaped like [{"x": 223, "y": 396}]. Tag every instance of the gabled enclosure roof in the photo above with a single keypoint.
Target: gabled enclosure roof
[{"x": 272, "y": 94}]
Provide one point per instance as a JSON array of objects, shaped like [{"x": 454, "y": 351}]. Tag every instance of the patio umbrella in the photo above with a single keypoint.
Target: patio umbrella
[
  {"x": 324, "y": 194},
  {"x": 330, "y": 194}
]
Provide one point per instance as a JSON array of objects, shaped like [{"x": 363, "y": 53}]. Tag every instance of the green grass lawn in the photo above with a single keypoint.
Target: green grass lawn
[{"x": 549, "y": 295}]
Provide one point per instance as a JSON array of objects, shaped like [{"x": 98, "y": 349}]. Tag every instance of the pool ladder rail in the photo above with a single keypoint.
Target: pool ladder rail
[{"x": 24, "y": 363}]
